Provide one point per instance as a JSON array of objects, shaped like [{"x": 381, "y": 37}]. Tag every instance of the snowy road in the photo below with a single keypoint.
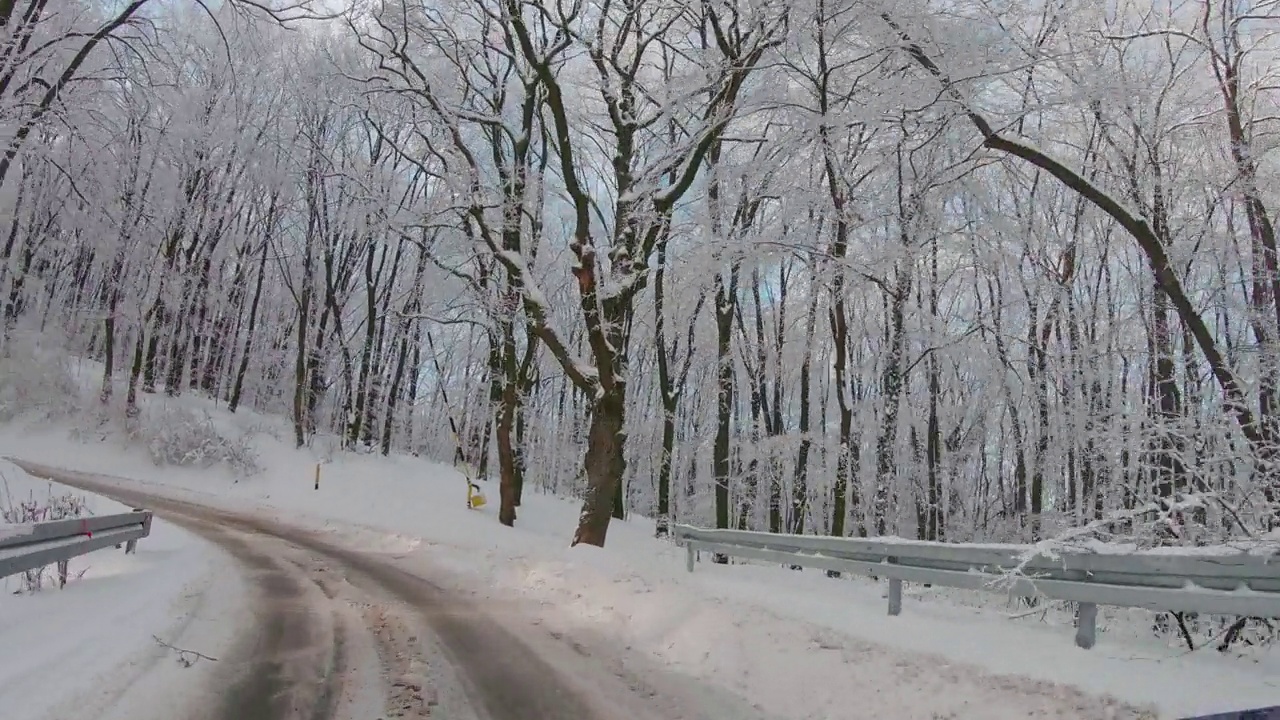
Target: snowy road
[{"x": 340, "y": 634}]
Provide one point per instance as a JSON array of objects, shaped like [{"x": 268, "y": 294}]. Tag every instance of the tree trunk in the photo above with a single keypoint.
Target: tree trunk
[
  {"x": 393, "y": 397},
  {"x": 131, "y": 409},
  {"x": 934, "y": 522},
  {"x": 776, "y": 426},
  {"x": 506, "y": 460},
  {"x": 175, "y": 358},
  {"x": 662, "y": 527},
  {"x": 520, "y": 451},
  {"x": 200, "y": 304},
  {"x": 508, "y": 391},
  {"x": 16, "y": 304},
  {"x": 300, "y": 415},
  {"x": 112, "y": 290},
  {"x": 237, "y": 388},
  {"x": 726, "y": 299},
  {"x": 891, "y": 383},
  {"x": 355, "y": 422},
  {"x": 605, "y": 464},
  {"x": 800, "y": 485},
  {"x": 108, "y": 360},
  {"x": 670, "y": 385}
]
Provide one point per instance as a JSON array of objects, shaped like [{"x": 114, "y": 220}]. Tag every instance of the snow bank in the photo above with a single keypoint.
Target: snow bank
[
  {"x": 80, "y": 651},
  {"x": 796, "y": 643}
]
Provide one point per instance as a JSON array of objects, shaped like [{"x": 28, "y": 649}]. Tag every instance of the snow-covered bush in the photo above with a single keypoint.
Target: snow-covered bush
[
  {"x": 36, "y": 382},
  {"x": 1163, "y": 525},
  {"x": 186, "y": 438},
  {"x": 327, "y": 447},
  {"x": 264, "y": 427},
  {"x": 31, "y": 510}
]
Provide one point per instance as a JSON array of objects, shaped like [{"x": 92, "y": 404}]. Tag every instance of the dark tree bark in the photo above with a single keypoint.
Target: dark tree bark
[
  {"x": 246, "y": 354},
  {"x": 800, "y": 484},
  {"x": 671, "y": 383},
  {"x": 726, "y": 299}
]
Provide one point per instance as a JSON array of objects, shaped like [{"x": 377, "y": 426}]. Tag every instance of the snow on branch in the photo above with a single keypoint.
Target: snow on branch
[
  {"x": 286, "y": 13},
  {"x": 538, "y": 310},
  {"x": 1132, "y": 221},
  {"x": 1158, "y": 523}
]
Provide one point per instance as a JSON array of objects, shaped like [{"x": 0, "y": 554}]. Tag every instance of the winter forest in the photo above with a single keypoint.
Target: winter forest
[{"x": 946, "y": 269}]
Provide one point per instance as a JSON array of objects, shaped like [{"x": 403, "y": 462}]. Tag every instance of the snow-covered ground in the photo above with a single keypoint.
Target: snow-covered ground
[
  {"x": 93, "y": 648},
  {"x": 797, "y": 644}
]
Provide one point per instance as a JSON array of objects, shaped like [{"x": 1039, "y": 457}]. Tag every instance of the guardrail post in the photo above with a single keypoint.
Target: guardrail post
[
  {"x": 689, "y": 551},
  {"x": 62, "y": 573},
  {"x": 1086, "y": 624},
  {"x": 895, "y": 592},
  {"x": 132, "y": 546}
]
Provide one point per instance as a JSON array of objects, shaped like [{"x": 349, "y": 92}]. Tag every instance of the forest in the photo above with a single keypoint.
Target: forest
[{"x": 961, "y": 270}]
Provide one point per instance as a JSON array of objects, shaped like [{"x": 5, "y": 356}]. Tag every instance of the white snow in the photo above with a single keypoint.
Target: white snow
[
  {"x": 89, "y": 650},
  {"x": 12, "y": 531},
  {"x": 796, "y": 644}
]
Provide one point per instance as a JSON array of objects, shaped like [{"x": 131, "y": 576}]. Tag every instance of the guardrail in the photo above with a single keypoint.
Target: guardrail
[
  {"x": 30, "y": 546},
  {"x": 1225, "y": 583}
]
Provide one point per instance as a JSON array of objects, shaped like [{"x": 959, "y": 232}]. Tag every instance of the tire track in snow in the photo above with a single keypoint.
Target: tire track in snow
[
  {"x": 292, "y": 665},
  {"x": 489, "y": 658}
]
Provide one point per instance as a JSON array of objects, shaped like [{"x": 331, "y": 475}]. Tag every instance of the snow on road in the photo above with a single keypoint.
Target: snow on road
[
  {"x": 89, "y": 651},
  {"x": 795, "y": 644}
]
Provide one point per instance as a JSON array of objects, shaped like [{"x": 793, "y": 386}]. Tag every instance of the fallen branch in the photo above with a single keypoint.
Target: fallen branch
[{"x": 186, "y": 658}]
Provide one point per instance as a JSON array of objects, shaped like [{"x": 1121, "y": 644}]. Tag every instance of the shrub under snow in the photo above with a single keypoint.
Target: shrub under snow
[
  {"x": 36, "y": 381},
  {"x": 186, "y": 438}
]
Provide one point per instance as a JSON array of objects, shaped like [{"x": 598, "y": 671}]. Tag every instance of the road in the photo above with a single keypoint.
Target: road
[{"x": 346, "y": 635}]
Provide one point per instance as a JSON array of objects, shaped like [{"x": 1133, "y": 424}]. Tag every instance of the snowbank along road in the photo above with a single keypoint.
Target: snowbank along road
[{"x": 341, "y": 635}]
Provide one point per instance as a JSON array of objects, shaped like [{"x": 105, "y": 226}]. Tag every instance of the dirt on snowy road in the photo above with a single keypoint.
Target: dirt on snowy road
[{"x": 323, "y": 613}]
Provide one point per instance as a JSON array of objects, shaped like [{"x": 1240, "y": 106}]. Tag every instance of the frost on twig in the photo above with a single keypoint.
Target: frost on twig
[
  {"x": 1161, "y": 529},
  {"x": 1090, "y": 537}
]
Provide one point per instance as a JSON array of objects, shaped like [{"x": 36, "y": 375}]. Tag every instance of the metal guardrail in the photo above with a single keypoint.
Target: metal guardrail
[
  {"x": 1227, "y": 583},
  {"x": 27, "y": 547}
]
